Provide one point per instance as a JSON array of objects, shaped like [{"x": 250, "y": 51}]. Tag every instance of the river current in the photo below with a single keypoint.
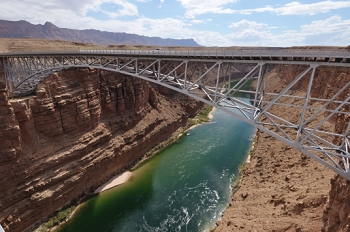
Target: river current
[{"x": 185, "y": 188}]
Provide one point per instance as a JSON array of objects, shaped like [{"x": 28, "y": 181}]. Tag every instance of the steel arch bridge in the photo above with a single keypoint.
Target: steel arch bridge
[{"x": 209, "y": 76}]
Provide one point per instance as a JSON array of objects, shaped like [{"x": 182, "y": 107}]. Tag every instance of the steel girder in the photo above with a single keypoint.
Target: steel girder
[{"x": 212, "y": 81}]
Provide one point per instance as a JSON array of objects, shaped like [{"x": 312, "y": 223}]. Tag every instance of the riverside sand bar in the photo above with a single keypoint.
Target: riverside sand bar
[
  {"x": 115, "y": 181},
  {"x": 121, "y": 179}
]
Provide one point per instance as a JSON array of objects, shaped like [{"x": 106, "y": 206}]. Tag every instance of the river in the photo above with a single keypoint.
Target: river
[{"x": 185, "y": 188}]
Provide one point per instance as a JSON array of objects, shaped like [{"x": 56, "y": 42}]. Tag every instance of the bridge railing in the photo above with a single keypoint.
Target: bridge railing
[
  {"x": 329, "y": 53},
  {"x": 228, "y": 53}
]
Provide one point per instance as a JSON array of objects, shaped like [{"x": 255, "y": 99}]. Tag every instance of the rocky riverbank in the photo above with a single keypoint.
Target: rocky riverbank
[{"x": 279, "y": 191}]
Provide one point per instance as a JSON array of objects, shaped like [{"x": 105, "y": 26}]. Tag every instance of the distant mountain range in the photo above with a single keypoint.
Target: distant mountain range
[{"x": 24, "y": 29}]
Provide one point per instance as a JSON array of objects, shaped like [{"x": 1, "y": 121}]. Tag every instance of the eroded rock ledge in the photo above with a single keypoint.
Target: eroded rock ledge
[{"x": 82, "y": 127}]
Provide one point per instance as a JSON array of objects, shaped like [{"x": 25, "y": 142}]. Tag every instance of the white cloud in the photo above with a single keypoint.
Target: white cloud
[
  {"x": 334, "y": 24},
  {"x": 245, "y": 24},
  {"x": 200, "y": 21},
  {"x": 249, "y": 33},
  {"x": 65, "y": 8},
  {"x": 198, "y": 7},
  {"x": 124, "y": 8},
  {"x": 296, "y": 8},
  {"x": 331, "y": 31}
]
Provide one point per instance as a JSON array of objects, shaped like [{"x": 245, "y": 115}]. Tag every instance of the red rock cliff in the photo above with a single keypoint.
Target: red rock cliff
[{"x": 81, "y": 127}]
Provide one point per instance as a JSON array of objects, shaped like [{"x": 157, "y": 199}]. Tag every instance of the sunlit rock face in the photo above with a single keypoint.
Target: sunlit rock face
[
  {"x": 81, "y": 127},
  {"x": 329, "y": 80}
]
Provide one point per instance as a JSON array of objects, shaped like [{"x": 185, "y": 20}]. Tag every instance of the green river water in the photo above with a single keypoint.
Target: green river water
[{"x": 185, "y": 188}]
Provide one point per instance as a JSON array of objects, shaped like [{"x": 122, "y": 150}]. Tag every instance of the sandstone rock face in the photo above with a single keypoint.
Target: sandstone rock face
[
  {"x": 337, "y": 211},
  {"x": 9, "y": 129},
  {"x": 2, "y": 74},
  {"x": 80, "y": 128},
  {"x": 283, "y": 190},
  {"x": 10, "y": 151}
]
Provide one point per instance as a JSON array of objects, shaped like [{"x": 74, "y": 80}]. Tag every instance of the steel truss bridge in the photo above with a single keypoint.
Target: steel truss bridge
[{"x": 209, "y": 76}]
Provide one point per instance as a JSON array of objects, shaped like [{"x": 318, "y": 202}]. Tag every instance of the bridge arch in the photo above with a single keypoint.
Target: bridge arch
[{"x": 207, "y": 77}]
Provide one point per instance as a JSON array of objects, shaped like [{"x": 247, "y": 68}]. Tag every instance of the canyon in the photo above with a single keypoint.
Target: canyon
[{"x": 83, "y": 126}]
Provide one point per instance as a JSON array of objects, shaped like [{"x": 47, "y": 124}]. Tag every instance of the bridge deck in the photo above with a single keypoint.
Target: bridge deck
[{"x": 312, "y": 55}]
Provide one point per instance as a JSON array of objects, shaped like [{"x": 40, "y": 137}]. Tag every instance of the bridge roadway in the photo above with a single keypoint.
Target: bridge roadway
[
  {"x": 267, "y": 54},
  {"x": 207, "y": 75}
]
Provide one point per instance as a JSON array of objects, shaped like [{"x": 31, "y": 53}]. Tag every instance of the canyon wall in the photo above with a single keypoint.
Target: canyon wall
[
  {"x": 330, "y": 80},
  {"x": 337, "y": 210},
  {"x": 284, "y": 190},
  {"x": 80, "y": 128}
]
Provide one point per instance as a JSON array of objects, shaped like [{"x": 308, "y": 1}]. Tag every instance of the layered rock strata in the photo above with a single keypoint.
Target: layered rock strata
[
  {"x": 284, "y": 190},
  {"x": 337, "y": 211},
  {"x": 80, "y": 128}
]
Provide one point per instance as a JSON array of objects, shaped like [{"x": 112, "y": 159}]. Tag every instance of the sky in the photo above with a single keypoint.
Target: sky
[{"x": 281, "y": 23}]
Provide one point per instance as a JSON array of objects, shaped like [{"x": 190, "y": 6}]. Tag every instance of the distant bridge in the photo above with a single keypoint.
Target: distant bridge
[{"x": 208, "y": 76}]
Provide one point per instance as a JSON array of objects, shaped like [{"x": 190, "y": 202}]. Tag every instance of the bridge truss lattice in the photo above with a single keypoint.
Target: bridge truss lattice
[{"x": 213, "y": 77}]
